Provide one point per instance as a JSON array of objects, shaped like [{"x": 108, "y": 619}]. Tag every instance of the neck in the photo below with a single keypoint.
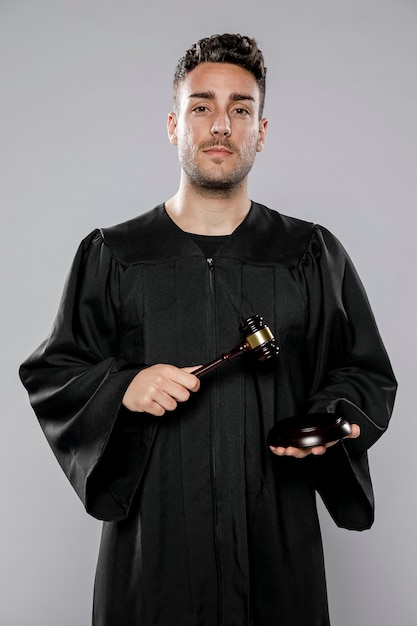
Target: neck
[{"x": 208, "y": 212}]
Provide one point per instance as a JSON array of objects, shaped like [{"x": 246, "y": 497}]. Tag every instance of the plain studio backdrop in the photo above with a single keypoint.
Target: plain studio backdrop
[{"x": 85, "y": 88}]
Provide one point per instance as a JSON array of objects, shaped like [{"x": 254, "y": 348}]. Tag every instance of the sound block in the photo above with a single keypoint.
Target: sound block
[{"x": 307, "y": 431}]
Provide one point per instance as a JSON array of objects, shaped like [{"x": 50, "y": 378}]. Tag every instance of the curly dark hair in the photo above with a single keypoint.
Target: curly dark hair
[{"x": 236, "y": 49}]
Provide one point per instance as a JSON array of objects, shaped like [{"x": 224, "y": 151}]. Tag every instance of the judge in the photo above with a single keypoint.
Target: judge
[{"x": 204, "y": 523}]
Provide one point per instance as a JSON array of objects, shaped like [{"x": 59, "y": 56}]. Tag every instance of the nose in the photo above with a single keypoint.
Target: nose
[{"x": 221, "y": 126}]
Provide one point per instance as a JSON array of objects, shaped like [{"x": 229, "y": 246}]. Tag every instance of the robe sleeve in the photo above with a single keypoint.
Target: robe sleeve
[
  {"x": 349, "y": 374},
  {"x": 76, "y": 380}
]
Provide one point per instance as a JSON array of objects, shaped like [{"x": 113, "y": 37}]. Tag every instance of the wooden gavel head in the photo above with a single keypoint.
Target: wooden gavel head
[{"x": 258, "y": 338}]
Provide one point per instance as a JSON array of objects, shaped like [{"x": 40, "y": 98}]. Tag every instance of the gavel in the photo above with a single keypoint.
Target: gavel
[
  {"x": 305, "y": 431},
  {"x": 258, "y": 339}
]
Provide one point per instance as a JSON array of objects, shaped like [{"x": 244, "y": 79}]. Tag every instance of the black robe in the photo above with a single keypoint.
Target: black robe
[{"x": 203, "y": 525}]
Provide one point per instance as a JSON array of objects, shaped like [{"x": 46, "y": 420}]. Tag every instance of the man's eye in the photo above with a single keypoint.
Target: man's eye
[
  {"x": 241, "y": 111},
  {"x": 200, "y": 109}
]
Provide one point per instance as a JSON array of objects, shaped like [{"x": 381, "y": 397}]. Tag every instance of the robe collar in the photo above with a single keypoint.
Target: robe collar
[{"x": 263, "y": 237}]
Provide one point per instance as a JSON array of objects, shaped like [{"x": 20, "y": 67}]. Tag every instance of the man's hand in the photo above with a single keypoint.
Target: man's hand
[
  {"x": 159, "y": 388},
  {"x": 301, "y": 453}
]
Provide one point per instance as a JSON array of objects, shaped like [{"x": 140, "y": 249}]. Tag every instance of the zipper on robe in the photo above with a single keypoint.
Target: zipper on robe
[
  {"x": 210, "y": 264},
  {"x": 212, "y": 333}
]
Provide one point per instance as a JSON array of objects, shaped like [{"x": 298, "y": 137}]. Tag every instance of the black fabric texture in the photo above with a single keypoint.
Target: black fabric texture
[{"x": 203, "y": 525}]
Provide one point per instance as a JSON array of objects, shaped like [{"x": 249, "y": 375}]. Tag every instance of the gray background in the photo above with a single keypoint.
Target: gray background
[{"x": 85, "y": 90}]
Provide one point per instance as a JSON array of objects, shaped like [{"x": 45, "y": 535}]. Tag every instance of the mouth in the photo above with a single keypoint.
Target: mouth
[{"x": 217, "y": 151}]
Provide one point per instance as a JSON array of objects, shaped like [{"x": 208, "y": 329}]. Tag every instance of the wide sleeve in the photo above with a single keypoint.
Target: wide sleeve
[
  {"x": 349, "y": 374},
  {"x": 76, "y": 380}
]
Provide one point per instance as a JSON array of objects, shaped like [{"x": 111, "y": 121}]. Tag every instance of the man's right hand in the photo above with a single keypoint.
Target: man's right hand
[{"x": 159, "y": 388}]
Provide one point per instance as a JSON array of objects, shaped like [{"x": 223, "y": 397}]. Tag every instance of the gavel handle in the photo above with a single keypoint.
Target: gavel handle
[{"x": 224, "y": 358}]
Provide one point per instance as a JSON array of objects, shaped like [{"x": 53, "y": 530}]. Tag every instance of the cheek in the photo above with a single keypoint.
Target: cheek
[
  {"x": 251, "y": 143},
  {"x": 188, "y": 140}
]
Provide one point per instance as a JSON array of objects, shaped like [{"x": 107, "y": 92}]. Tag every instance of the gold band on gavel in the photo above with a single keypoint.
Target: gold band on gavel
[{"x": 259, "y": 338}]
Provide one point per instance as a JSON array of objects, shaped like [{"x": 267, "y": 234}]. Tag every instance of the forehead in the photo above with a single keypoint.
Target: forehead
[{"x": 220, "y": 79}]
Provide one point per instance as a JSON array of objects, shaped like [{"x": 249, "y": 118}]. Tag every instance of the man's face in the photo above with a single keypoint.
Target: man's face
[{"x": 216, "y": 125}]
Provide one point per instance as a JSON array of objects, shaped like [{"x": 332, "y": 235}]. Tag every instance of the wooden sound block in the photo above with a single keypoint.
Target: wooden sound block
[{"x": 307, "y": 431}]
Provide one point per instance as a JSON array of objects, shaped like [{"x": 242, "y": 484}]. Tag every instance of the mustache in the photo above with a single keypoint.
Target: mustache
[{"x": 216, "y": 143}]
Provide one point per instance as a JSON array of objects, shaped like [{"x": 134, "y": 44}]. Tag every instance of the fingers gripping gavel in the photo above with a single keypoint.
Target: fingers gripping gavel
[
  {"x": 258, "y": 339},
  {"x": 158, "y": 388}
]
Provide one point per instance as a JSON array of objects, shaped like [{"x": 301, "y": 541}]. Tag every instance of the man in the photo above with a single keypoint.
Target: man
[{"x": 204, "y": 523}]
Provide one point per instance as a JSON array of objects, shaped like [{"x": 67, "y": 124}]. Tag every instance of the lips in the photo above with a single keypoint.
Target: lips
[{"x": 217, "y": 151}]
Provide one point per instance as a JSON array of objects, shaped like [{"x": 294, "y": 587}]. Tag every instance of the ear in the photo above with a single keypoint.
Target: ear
[
  {"x": 263, "y": 128},
  {"x": 172, "y": 128}
]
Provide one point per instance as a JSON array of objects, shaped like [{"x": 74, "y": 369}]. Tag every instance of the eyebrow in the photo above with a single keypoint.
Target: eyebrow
[{"x": 234, "y": 97}]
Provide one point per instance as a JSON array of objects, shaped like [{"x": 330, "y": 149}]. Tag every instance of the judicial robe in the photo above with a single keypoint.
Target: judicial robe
[{"x": 203, "y": 525}]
